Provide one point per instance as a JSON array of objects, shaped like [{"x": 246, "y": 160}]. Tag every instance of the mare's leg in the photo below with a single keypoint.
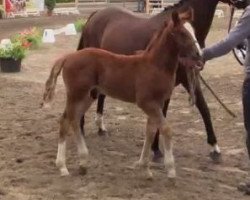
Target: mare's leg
[
  {"x": 204, "y": 111},
  {"x": 155, "y": 146},
  {"x": 61, "y": 152},
  {"x": 99, "y": 118}
]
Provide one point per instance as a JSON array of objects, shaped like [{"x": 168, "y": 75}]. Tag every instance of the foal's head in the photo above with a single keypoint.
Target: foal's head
[{"x": 181, "y": 32}]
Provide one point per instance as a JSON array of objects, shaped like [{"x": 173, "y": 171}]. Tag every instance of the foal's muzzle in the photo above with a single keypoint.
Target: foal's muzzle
[{"x": 192, "y": 62}]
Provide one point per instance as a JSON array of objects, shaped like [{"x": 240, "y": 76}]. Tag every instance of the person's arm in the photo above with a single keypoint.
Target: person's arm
[{"x": 240, "y": 32}]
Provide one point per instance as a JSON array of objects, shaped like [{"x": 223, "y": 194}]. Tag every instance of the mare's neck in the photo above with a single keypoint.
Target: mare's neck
[{"x": 203, "y": 16}]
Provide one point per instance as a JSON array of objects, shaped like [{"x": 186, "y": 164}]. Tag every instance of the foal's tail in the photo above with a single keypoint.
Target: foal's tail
[
  {"x": 50, "y": 84},
  {"x": 84, "y": 36}
]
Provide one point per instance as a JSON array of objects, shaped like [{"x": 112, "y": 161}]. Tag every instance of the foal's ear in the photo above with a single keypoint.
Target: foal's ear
[
  {"x": 175, "y": 18},
  {"x": 187, "y": 15}
]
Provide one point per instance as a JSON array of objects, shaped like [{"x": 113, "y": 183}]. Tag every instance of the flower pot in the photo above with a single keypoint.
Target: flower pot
[{"x": 10, "y": 65}]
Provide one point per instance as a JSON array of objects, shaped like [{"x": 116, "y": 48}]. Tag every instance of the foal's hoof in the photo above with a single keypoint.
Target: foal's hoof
[
  {"x": 172, "y": 174},
  {"x": 139, "y": 165},
  {"x": 64, "y": 172},
  {"x": 157, "y": 157},
  {"x": 102, "y": 132},
  {"x": 216, "y": 157},
  {"x": 172, "y": 182},
  {"x": 82, "y": 170}
]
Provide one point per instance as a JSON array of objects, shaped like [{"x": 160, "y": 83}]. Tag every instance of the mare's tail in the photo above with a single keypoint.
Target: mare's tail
[
  {"x": 50, "y": 84},
  {"x": 84, "y": 36}
]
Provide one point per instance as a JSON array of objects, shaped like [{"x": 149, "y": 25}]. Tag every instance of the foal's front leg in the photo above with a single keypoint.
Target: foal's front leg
[
  {"x": 155, "y": 146},
  {"x": 168, "y": 151},
  {"x": 151, "y": 128}
]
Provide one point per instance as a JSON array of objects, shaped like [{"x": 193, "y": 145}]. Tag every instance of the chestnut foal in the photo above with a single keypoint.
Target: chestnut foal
[{"x": 92, "y": 68}]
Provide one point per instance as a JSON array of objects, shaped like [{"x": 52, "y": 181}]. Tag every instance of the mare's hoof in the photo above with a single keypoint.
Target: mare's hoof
[
  {"x": 216, "y": 157},
  {"x": 102, "y": 132},
  {"x": 82, "y": 170},
  {"x": 244, "y": 187},
  {"x": 157, "y": 157}
]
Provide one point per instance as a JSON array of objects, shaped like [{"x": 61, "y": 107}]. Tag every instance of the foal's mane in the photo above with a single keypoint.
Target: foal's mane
[{"x": 157, "y": 35}]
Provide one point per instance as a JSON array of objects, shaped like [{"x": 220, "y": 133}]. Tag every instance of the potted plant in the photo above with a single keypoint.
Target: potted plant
[
  {"x": 11, "y": 56},
  {"x": 79, "y": 25},
  {"x": 30, "y": 38},
  {"x": 50, "y": 4}
]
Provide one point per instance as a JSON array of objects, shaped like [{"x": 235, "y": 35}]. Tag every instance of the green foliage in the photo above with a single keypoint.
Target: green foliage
[
  {"x": 21, "y": 43},
  {"x": 15, "y": 50},
  {"x": 1, "y": 10},
  {"x": 79, "y": 24},
  {"x": 65, "y": 1},
  {"x": 50, "y": 4},
  {"x": 30, "y": 38}
]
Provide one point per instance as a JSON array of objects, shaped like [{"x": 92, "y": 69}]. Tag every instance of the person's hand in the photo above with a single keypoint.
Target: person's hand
[{"x": 241, "y": 45}]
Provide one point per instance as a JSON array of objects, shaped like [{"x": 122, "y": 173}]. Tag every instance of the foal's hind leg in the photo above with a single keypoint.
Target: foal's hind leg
[
  {"x": 81, "y": 108},
  {"x": 204, "y": 111},
  {"x": 99, "y": 118},
  {"x": 61, "y": 152}
]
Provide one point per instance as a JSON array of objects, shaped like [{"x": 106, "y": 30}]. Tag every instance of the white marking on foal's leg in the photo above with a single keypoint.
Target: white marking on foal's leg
[
  {"x": 61, "y": 159},
  {"x": 190, "y": 28},
  {"x": 169, "y": 161},
  {"x": 168, "y": 152},
  {"x": 144, "y": 158},
  {"x": 149, "y": 137},
  {"x": 82, "y": 150},
  {"x": 99, "y": 122},
  {"x": 216, "y": 148}
]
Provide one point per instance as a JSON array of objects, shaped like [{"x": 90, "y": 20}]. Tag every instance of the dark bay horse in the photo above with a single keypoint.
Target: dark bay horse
[
  {"x": 96, "y": 68},
  {"x": 120, "y": 31}
]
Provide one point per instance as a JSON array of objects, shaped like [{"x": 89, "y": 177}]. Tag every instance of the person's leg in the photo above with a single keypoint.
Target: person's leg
[{"x": 246, "y": 111}]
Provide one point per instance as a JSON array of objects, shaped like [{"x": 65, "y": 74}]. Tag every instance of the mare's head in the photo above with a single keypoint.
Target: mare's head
[{"x": 240, "y": 4}]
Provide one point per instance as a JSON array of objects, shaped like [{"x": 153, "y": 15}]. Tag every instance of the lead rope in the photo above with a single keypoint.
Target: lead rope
[
  {"x": 193, "y": 74},
  {"x": 192, "y": 85},
  {"x": 231, "y": 18},
  {"x": 205, "y": 83}
]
